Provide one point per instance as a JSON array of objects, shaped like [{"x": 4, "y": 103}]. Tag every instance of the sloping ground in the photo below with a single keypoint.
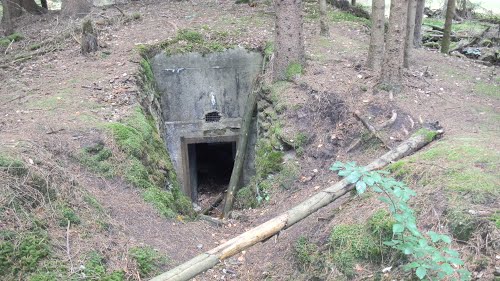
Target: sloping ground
[{"x": 56, "y": 104}]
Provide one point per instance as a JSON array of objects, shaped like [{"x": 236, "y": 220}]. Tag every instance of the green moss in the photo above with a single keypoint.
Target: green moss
[
  {"x": 12, "y": 166},
  {"x": 193, "y": 41},
  {"x": 148, "y": 260},
  {"x": 95, "y": 269},
  {"x": 495, "y": 218},
  {"x": 428, "y": 134},
  {"x": 246, "y": 198},
  {"x": 97, "y": 159},
  {"x": 340, "y": 16},
  {"x": 268, "y": 160},
  {"x": 293, "y": 70},
  {"x": 350, "y": 243},
  {"x": 400, "y": 169},
  {"x": 461, "y": 224},
  {"x": 5, "y": 41},
  {"x": 68, "y": 214},
  {"x": 305, "y": 252},
  {"x": 21, "y": 253},
  {"x": 487, "y": 89},
  {"x": 148, "y": 165},
  {"x": 380, "y": 224},
  {"x": 92, "y": 201}
]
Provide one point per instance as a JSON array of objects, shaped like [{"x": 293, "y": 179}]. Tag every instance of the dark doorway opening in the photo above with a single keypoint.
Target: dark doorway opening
[{"x": 211, "y": 165}]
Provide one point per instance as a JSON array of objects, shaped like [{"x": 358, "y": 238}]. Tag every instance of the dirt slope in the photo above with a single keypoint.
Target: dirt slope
[{"x": 57, "y": 102}]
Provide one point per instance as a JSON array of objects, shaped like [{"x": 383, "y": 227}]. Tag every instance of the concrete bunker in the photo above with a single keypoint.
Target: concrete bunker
[{"x": 201, "y": 100}]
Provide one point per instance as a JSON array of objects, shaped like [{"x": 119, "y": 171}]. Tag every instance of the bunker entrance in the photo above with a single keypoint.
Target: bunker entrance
[{"x": 210, "y": 167}]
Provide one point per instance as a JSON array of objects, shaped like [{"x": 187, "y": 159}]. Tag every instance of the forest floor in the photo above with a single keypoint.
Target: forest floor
[{"x": 53, "y": 101}]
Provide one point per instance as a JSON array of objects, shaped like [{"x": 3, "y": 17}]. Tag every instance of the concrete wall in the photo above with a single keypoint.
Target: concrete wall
[{"x": 192, "y": 85}]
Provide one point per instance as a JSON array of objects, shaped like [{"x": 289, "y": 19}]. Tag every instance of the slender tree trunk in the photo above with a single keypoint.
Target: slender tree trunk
[
  {"x": 353, "y": 2},
  {"x": 419, "y": 17},
  {"x": 239, "y": 159},
  {"x": 6, "y": 19},
  {"x": 289, "y": 38},
  {"x": 450, "y": 11},
  {"x": 324, "y": 29},
  {"x": 376, "y": 51},
  {"x": 392, "y": 68},
  {"x": 410, "y": 31},
  {"x": 44, "y": 4},
  {"x": 89, "y": 38}
]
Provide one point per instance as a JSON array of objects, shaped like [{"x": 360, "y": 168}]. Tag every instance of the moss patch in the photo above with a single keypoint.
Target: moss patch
[
  {"x": 20, "y": 253},
  {"x": 149, "y": 261},
  {"x": 188, "y": 40},
  {"x": 148, "y": 165},
  {"x": 487, "y": 89},
  {"x": 5, "y": 41},
  {"x": 293, "y": 70}
]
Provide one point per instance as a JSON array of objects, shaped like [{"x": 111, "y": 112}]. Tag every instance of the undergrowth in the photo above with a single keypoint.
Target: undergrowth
[
  {"x": 148, "y": 164},
  {"x": 149, "y": 261}
]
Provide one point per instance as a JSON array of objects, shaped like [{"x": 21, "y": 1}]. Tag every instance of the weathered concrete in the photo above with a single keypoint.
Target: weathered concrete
[{"x": 192, "y": 85}]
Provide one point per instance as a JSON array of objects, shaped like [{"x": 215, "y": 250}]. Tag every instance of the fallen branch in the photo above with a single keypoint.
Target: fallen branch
[
  {"x": 371, "y": 128},
  {"x": 213, "y": 205},
  {"x": 272, "y": 227},
  {"x": 68, "y": 250}
]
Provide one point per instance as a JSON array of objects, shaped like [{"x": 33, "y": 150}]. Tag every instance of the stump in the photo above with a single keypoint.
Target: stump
[{"x": 89, "y": 38}]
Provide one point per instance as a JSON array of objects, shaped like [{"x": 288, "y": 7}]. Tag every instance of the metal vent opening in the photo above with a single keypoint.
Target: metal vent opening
[{"x": 212, "y": 117}]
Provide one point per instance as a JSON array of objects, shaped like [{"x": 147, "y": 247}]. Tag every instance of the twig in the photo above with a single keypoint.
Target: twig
[
  {"x": 120, "y": 10},
  {"x": 371, "y": 128},
  {"x": 213, "y": 205},
  {"x": 8, "y": 47},
  {"x": 68, "y": 250}
]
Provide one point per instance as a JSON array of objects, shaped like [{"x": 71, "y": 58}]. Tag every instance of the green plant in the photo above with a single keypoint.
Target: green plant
[
  {"x": 12, "y": 166},
  {"x": 381, "y": 223},
  {"x": 97, "y": 159},
  {"x": 293, "y": 69},
  {"x": 148, "y": 260},
  {"x": 495, "y": 218},
  {"x": 95, "y": 269},
  {"x": 461, "y": 224},
  {"x": 431, "y": 256},
  {"x": 305, "y": 252},
  {"x": 68, "y": 214},
  {"x": 5, "y": 41}
]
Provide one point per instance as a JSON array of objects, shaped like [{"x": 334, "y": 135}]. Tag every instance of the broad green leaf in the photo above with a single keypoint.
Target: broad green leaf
[
  {"x": 421, "y": 272},
  {"x": 398, "y": 228},
  {"x": 337, "y": 166},
  {"x": 354, "y": 177},
  {"x": 456, "y": 261},
  {"x": 361, "y": 186},
  {"x": 446, "y": 268},
  {"x": 369, "y": 180},
  {"x": 446, "y": 239},
  {"x": 434, "y": 236}
]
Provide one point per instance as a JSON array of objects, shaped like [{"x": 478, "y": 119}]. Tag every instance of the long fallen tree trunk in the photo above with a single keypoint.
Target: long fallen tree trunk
[{"x": 266, "y": 230}]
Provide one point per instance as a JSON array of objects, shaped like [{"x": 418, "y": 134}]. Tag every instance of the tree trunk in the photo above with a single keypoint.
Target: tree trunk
[
  {"x": 17, "y": 7},
  {"x": 419, "y": 17},
  {"x": 89, "y": 38},
  {"x": 242, "y": 148},
  {"x": 76, "y": 8},
  {"x": 289, "y": 38},
  {"x": 450, "y": 11},
  {"x": 209, "y": 259},
  {"x": 376, "y": 51},
  {"x": 353, "y": 2},
  {"x": 6, "y": 19},
  {"x": 324, "y": 29},
  {"x": 392, "y": 68},
  {"x": 44, "y": 4},
  {"x": 410, "y": 32}
]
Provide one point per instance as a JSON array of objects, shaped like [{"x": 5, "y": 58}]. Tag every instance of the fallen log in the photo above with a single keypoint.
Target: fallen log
[{"x": 268, "y": 229}]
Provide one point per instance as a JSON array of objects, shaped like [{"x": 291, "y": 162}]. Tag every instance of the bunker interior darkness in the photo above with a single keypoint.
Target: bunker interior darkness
[{"x": 202, "y": 100}]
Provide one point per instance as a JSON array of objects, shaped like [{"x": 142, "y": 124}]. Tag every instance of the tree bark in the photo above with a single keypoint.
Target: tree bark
[
  {"x": 353, "y": 2},
  {"x": 76, "y": 8},
  {"x": 289, "y": 38},
  {"x": 242, "y": 148},
  {"x": 450, "y": 12},
  {"x": 324, "y": 29},
  {"x": 16, "y": 8},
  {"x": 419, "y": 18},
  {"x": 89, "y": 38},
  {"x": 44, "y": 4},
  {"x": 392, "y": 68},
  {"x": 410, "y": 32},
  {"x": 6, "y": 19},
  {"x": 266, "y": 230},
  {"x": 376, "y": 50}
]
